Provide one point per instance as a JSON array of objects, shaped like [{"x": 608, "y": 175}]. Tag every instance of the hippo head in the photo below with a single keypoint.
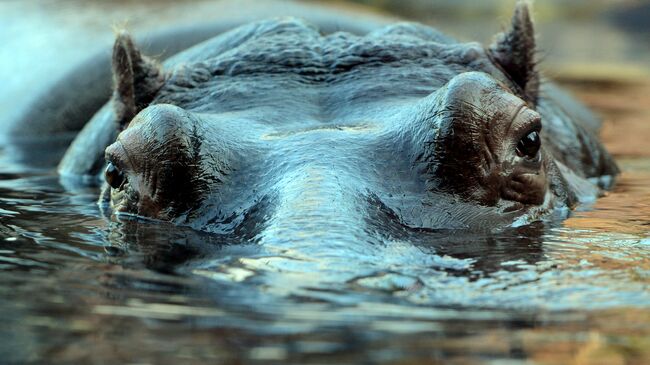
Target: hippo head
[{"x": 288, "y": 133}]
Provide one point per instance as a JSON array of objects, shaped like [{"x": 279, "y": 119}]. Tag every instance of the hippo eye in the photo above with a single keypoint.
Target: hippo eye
[
  {"x": 114, "y": 177},
  {"x": 529, "y": 145}
]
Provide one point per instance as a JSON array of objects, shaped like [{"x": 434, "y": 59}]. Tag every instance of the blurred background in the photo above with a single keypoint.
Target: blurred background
[
  {"x": 577, "y": 35},
  {"x": 598, "y": 38}
]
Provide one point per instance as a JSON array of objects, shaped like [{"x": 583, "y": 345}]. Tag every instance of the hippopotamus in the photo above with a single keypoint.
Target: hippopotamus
[{"x": 274, "y": 131}]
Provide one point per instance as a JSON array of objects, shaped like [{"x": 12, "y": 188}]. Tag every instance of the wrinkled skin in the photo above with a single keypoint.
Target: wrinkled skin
[{"x": 274, "y": 132}]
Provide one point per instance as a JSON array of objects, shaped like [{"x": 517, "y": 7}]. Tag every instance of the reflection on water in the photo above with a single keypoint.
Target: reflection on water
[{"x": 77, "y": 288}]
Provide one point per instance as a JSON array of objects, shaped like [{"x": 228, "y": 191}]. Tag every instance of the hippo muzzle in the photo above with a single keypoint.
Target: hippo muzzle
[{"x": 305, "y": 137}]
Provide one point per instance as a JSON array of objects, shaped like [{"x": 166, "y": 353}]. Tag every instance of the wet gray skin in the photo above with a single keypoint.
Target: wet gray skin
[{"x": 276, "y": 133}]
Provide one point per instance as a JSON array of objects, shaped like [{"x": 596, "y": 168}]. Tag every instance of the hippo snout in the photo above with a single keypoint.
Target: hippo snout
[{"x": 291, "y": 136}]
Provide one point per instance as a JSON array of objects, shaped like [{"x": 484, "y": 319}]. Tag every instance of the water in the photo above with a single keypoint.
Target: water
[{"x": 76, "y": 287}]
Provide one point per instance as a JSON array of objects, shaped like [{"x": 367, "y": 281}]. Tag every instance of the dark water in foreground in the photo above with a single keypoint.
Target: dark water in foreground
[{"x": 76, "y": 288}]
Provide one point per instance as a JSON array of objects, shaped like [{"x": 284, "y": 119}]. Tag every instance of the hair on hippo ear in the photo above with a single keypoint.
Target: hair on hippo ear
[
  {"x": 136, "y": 80},
  {"x": 514, "y": 52}
]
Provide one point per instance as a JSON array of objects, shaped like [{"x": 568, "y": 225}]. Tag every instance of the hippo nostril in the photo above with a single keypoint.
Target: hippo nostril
[{"x": 114, "y": 177}]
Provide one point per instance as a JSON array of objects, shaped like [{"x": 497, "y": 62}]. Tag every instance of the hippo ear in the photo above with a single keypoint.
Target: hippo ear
[
  {"x": 514, "y": 52},
  {"x": 136, "y": 80}
]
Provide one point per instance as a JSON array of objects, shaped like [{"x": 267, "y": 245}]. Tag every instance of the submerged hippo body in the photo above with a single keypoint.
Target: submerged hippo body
[{"x": 274, "y": 131}]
